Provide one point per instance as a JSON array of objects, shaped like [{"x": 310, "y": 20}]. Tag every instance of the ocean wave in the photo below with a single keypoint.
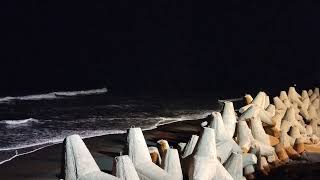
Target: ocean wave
[
  {"x": 169, "y": 120},
  {"x": 53, "y": 95},
  {"x": 60, "y": 138},
  {"x": 27, "y": 147},
  {"x": 88, "y": 134},
  {"x": 231, "y": 100},
  {"x": 79, "y": 93},
  {"x": 17, "y": 122},
  {"x": 36, "y": 97}
]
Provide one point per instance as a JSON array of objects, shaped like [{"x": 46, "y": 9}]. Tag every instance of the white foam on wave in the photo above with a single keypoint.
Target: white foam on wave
[
  {"x": 17, "y": 122},
  {"x": 17, "y": 154},
  {"x": 231, "y": 100},
  {"x": 37, "y": 97},
  {"x": 53, "y": 95},
  {"x": 170, "y": 120},
  {"x": 78, "y": 93},
  {"x": 59, "y": 139},
  {"x": 95, "y": 133},
  {"x": 45, "y": 142}
]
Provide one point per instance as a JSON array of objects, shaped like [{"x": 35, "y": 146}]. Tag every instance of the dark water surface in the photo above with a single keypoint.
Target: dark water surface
[{"x": 34, "y": 122}]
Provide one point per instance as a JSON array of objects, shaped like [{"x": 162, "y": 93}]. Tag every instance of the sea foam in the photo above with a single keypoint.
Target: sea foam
[
  {"x": 17, "y": 122},
  {"x": 78, "y": 93},
  {"x": 53, "y": 95}
]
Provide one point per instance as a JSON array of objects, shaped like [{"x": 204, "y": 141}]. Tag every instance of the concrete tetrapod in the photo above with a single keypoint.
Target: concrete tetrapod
[
  {"x": 248, "y": 99},
  {"x": 229, "y": 118},
  {"x": 291, "y": 117},
  {"x": 265, "y": 150},
  {"x": 277, "y": 119},
  {"x": 287, "y": 142},
  {"x": 171, "y": 164},
  {"x": 304, "y": 94},
  {"x": 305, "y": 98},
  {"x": 283, "y": 96},
  {"x": 139, "y": 154},
  {"x": 224, "y": 149},
  {"x": 181, "y": 147},
  {"x": 244, "y": 108},
  {"x": 265, "y": 117},
  {"x": 249, "y": 113},
  {"x": 259, "y": 100},
  {"x": 234, "y": 166},
  {"x": 252, "y": 110},
  {"x": 186, "y": 155},
  {"x": 313, "y": 97},
  {"x": 266, "y": 102},
  {"x": 271, "y": 109},
  {"x": 316, "y": 91},
  {"x": 263, "y": 165},
  {"x": 190, "y": 146},
  {"x": 124, "y": 168},
  {"x": 279, "y": 104},
  {"x": 309, "y": 130},
  {"x": 204, "y": 164},
  {"x": 304, "y": 109},
  {"x": 244, "y": 136},
  {"x": 313, "y": 112},
  {"x": 258, "y": 131},
  {"x": 287, "y": 103},
  {"x": 314, "y": 125},
  {"x": 79, "y": 163},
  {"x": 224, "y": 143},
  {"x": 281, "y": 153},
  {"x": 248, "y": 159},
  {"x": 299, "y": 145},
  {"x": 217, "y": 123},
  {"x": 248, "y": 171},
  {"x": 294, "y": 96},
  {"x": 164, "y": 146},
  {"x": 155, "y": 155},
  {"x": 310, "y": 92},
  {"x": 254, "y": 114},
  {"x": 315, "y": 103},
  {"x": 246, "y": 140}
]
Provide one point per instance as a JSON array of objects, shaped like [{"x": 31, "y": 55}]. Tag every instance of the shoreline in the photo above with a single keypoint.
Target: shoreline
[
  {"x": 45, "y": 163},
  {"x": 30, "y": 148}
]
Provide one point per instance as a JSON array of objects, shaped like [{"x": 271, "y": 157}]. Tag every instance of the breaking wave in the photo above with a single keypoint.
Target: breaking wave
[
  {"x": 231, "y": 100},
  {"x": 53, "y": 95},
  {"x": 17, "y": 122},
  {"x": 79, "y": 93},
  {"x": 60, "y": 138},
  {"x": 51, "y": 139},
  {"x": 170, "y": 120}
]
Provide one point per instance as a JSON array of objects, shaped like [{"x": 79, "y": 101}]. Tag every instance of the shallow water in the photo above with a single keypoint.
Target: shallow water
[{"x": 26, "y": 125}]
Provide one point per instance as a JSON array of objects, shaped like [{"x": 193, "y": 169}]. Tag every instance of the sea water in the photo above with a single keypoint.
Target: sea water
[{"x": 31, "y": 122}]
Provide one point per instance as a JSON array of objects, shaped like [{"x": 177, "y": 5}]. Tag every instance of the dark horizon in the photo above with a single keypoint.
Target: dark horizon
[{"x": 159, "y": 46}]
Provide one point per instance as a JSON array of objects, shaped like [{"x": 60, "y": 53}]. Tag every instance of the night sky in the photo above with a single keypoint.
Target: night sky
[{"x": 163, "y": 46}]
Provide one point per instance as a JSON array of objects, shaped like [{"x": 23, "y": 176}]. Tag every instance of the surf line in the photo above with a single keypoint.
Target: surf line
[
  {"x": 232, "y": 100},
  {"x": 17, "y": 154}
]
